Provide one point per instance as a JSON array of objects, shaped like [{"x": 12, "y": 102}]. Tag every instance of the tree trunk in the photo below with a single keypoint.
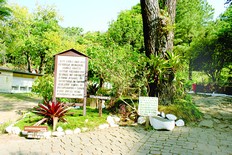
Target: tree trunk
[
  {"x": 190, "y": 69},
  {"x": 158, "y": 38},
  {"x": 41, "y": 65},
  {"x": 171, "y": 5},
  {"x": 29, "y": 68},
  {"x": 150, "y": 14}
]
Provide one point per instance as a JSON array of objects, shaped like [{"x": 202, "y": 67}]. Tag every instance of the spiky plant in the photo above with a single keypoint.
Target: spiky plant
[{"x": 52, "y": 111}]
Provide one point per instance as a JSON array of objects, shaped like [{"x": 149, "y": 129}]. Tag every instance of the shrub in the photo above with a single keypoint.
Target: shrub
[
  {"x": 183, "y": 109},
  {"x": 52, "y": 111},
  {"x": 44, "y": 87}
]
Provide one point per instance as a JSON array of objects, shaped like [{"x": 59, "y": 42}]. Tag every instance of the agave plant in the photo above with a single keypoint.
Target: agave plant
[{"x": 52, "y": 111}]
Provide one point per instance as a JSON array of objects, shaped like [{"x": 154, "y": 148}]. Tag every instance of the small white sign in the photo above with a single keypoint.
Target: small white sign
[
  {"x": 70, "y": 77},
  {"x": 148, "y": 106}
]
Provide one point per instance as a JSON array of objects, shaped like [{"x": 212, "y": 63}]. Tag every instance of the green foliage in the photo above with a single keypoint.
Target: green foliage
[
  {"x": 183, "y": 109},
  {"x": 43, "y": 86},
  {"x": 29, "y": 120},
  {"x": 3, "y": 127},
  {"x": 74, "y": 119},
  {"x": 4, "y": 11},
  {"x": 127, "y": 29},
  {"x": 90, "y": 121}
]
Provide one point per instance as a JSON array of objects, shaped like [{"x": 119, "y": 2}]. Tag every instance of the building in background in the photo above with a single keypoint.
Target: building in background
[{"x": 16, "y": 81}]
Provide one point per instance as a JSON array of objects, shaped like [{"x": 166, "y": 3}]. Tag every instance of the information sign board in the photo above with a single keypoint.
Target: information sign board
[
  {"x": 148, "y": 106},
  {"x": 70, "y": 77}
]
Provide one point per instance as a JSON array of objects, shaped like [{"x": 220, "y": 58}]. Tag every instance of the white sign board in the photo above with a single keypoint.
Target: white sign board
[
  {"x": 148, "y": 106},
  {"x": 70, "y": 77}
]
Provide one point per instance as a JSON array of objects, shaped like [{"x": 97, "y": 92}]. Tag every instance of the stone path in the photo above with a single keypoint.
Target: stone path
[{"x": 126, "y": 141}]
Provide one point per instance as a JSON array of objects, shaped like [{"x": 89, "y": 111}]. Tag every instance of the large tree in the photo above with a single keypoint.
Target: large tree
[{"x": 158, "y": 19}]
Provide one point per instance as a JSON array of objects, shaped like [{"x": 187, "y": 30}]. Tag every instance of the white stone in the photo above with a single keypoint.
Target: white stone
[
  {"x": 84, "y": 129},
  {"x": 9, "y": 129},
  {"x": 47, "y": 134},
  {"x": 24, "y": 133},
  {"x": 103, "y": 126},
  {"x": 141, "y": 120},
  {"x": 162, "y": 114},
  {"x": 116, "y": 118},
  {"x": 68, "y": 132},
  {"x": 159, "y": 123},
  {"x": 110, "y": 120},
  {"x": 180, "y": 122},
  {"x": 114, "y": 125},
  {"x": 15, "y": 130},
  {"x": 171, "y": 117},
  {"x": 77, "y": 130},
  {"x": 57, "y": 134},
  {"x": 59, "y": 129}
]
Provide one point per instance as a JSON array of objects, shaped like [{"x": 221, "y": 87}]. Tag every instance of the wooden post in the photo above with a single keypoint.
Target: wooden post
[
  {"x": 147, "y": 122},
  {"x": 100, "y": 108},
  {"x": 84, "y": 106}
]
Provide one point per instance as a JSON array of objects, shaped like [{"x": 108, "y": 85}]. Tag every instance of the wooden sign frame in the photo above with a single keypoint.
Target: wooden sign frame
[{"x": 70, "y": 76}]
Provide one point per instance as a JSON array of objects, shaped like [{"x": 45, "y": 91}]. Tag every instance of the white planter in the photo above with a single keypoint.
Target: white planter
[{"x": 159, "y": 123}]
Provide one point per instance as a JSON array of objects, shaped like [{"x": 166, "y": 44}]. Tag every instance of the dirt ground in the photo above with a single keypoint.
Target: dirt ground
[{"x": 12, "y": 107}]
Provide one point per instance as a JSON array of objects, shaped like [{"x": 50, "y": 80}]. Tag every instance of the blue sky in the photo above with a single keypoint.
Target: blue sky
[{"x": 93, "y": 15}]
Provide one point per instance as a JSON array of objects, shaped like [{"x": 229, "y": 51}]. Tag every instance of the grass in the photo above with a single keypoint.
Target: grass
[
  {"x": 3, "y": 127},
  {"x": 75, "y": 119},
  {"x": 184, "y": 109}
]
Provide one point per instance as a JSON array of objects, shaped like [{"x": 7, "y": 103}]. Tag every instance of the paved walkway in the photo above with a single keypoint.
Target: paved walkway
[{"x": 126, "y": 141}]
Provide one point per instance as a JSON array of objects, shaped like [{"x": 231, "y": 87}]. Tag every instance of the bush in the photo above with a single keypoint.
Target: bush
[
  {"x": 44, "y": 87},
  {"x": 183, "y": 109}
]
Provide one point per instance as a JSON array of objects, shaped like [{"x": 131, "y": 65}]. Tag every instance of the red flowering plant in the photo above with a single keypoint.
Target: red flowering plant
[{"x": 52, "y": 111}]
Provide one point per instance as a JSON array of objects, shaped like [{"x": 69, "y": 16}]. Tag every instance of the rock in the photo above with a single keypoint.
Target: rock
[
  {"x": 206, "y": 123},
  {"x": 103, "y": 126},
  {"x": 207, "y": 116},
  {"x": 47, "y": 134},
  {"x": 68, "y": 132},
  {"x": 180, "y": 122},
  {"x": 161, "y": 123},
  {"x": 110, "y": 120},
  {"x": 9, "y": 129},
  {"x": 116, "y": 119},
  {"x": 57, "y": 134},
  {"x": 77, "y": 130},
  {"x": 216, "y": 121},
  {"x": 24, "y": 133},
  {"x": 141, "y": 120},
  {"x": 171, "y": 117},
  {"x": 15, "y": 130},
  {"x": 230, "y": 126},
  {"x": 222, "y": 126},
  {"x": 59, "y": 129},
  {"x": 114, "y": 125},
  {"x": 162, "y": 114}
]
